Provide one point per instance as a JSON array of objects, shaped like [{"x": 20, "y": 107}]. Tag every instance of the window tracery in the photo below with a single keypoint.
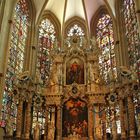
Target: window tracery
[
  {"x": 105, "y": 40},
  {"x": 75, "y": 30},
  {"x": 15, "y": 65},
  {"x": 47, "y": 39}
]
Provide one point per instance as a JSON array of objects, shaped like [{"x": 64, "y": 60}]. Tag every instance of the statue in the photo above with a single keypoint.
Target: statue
[
  {"x": 38, "y": 77},
  {"x": 93, "y": 41},
  {"x": 53, "y": 75}
]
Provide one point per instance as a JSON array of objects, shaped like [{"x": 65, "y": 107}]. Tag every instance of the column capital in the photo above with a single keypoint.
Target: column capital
[
  {"x": 90, "y": 107},
  {"x": 59, "y": 106}
]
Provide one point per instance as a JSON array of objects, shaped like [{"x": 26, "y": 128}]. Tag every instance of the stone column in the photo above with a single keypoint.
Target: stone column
[
  {"x": 90, "y": 121},
  {"x": 104, "y": 125},
  {"x": 46, "y": 123},
  {"x": 98, "y": 126},
  {"x": 131, "y": 117},
  {"x": 58, "y": 123},
  {"x": 28, "y": 121},
  {"x": 123, "y": 133},
  {"x": 114, "y": 125},
  {"x": 19, "y": 120}
]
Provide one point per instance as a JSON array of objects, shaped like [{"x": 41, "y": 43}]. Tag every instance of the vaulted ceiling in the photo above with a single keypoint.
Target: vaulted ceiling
[{"x": 66, "y": 9}]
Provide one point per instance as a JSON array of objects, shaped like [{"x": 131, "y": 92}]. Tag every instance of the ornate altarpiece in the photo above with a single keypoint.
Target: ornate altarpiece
[{"x": 76, "y": 86}]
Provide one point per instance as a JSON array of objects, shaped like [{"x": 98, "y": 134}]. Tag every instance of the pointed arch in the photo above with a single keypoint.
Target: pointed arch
[
  {"x": 75, "y": 20},
  {"x": 103, "y": 30},
  {"x": 16, "y": 57},
  {"x": 49, "y": 30}
]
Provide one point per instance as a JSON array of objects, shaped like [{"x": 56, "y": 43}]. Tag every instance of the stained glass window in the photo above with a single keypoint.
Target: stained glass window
[
  {"x": 16, "y": 58},
  {"x": 75, "y": 30},
  {"x": 132, "y": 35},
  {"x": 47, "y": 40},
  {"x": 105, "y": 40}
]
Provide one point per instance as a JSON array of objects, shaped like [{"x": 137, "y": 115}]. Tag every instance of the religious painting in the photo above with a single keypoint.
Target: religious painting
[
  {"x": 75, "y": 71},
  {"x": 75, "y": 118}
]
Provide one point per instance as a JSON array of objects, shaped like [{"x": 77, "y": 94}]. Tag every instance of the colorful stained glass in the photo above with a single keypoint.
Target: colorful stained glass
[
  {"x": 75, "y": 30},
  {"x": 46, "y": 43},
  {"x": 16, "y": 58},
  {"x": 105, "y": 40},
  {"x": 132, "y": 35}
]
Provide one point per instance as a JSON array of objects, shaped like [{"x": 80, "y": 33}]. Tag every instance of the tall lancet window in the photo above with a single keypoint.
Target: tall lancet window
[
  {"x": 47, "y": 42},
  {"x": 105, "y": 40},
  {"x": 16, "y": 57},
  {"x": 75, "y": 30},
  {"x": 132, "y": 35}
]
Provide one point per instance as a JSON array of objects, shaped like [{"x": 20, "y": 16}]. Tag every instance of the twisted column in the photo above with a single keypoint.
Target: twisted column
[
  {"x": 19, "y": 120},
  {"x": 28, "y": 121},
  {"x": 58, "y": 123},
  {"x": 131, "y": 117},
  {"x": 90, "y": 121}
]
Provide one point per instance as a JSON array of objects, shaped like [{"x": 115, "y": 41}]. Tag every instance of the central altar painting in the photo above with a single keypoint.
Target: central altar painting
[
  {"x": 75, "y": 71},
  {"x": 75, "y": 118}
]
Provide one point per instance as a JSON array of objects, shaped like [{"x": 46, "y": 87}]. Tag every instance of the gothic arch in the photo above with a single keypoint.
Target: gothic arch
[
  {"x": 72, "y": 21},
  {"x": 96, "y": 16},
  {"x": 54, "y": 20}
]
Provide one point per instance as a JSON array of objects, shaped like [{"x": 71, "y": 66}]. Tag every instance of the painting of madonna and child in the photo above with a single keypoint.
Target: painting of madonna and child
[
  {"x": 75, "y": 71},
  {"x": 75, "y": 118}
]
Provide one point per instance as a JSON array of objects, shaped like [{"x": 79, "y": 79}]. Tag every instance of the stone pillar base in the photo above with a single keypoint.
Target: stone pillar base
[
  {"x": 123, "y": 136},
  {"x": 58, "y": 138},
  {"x": 115, "y": 137},
  {"x": 45, "y": 137},
  {"x": 8, "y": 138},
  {"x": 132, "y": 135},
  {"x": 91, "y": 138},
  {"x": 17, "y": 138}
]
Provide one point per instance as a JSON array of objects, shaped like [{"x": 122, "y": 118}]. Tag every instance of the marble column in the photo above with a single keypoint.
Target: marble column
[
  {"x": 131, "y": 117},
  {"x": 90, "y": 121},
  {"x": 58, "y": 123},
  {"x": 19, "y": 120},
  {"x": 46, "y": 123},
  {"x": 123, "y": 133},
  {"x": 114, "y": 125},
  {"x": 28, "y": 121}
]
